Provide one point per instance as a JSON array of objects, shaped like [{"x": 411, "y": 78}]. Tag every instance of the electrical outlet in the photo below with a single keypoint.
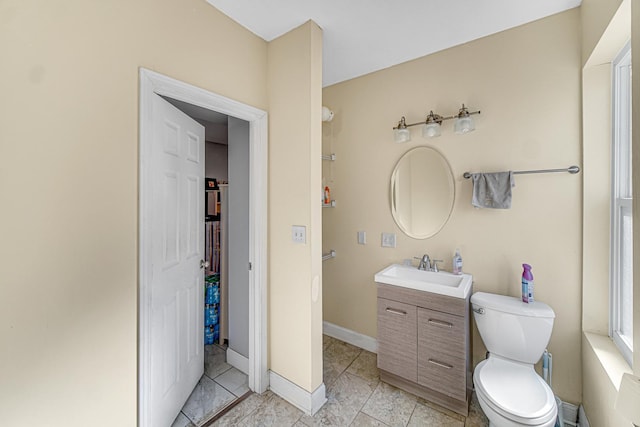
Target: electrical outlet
[
  {"x": 388, "y": 240},
  {"x": 299, "y": 234},
  {"x": 362, "y": 237}
]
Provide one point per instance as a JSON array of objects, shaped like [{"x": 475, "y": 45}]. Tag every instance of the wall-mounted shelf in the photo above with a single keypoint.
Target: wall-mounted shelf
[
  {"x": 331, "y": 157},
  {"x": 332, "y": 204}
]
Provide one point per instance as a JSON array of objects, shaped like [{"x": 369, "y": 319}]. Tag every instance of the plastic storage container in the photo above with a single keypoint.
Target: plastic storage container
[{"x": 457, "y": 263}]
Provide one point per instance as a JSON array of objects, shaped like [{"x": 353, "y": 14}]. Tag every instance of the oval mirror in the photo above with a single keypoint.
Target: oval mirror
[{"x": 422, "y": 192}]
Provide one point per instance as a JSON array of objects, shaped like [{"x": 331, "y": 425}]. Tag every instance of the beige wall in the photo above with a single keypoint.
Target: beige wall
[
  {"x": 295, "y": 101},
  {"x": 596, "y": 113},
  {"x": 68, "y": 184},
  {"x": 595, "y": 16},
  {"x": 526, "y": 81}
]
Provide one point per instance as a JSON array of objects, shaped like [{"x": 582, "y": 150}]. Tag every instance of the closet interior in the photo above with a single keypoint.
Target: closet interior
[{"x": 216, "y": 275}]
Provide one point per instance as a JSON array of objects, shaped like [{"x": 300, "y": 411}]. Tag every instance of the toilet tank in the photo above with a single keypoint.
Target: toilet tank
[{"x": 511, "y": 328}]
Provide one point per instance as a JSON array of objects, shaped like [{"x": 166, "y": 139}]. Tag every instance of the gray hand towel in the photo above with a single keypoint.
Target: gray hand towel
[{"x": 492, "y": 190}]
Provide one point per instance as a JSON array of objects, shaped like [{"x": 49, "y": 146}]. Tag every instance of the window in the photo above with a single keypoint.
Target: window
[{"x": 621, "y": 322}]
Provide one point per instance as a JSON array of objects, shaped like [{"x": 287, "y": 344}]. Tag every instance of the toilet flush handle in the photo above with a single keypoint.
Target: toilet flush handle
[{"x": 479, "y": 310}]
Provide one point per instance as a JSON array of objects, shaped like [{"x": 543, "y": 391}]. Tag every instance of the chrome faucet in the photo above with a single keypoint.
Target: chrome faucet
[
  {"x": 428, "y": 264},
  {"x": 425, "y": 263}
]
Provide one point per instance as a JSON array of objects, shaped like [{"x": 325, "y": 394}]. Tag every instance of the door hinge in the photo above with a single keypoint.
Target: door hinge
[{"x": 250, "y": 266}]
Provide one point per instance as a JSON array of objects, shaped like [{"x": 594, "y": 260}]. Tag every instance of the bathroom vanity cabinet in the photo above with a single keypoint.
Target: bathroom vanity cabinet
[{"x": 424, "y": 345}]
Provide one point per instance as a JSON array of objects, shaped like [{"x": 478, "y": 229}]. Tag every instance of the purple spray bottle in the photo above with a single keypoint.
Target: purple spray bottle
[{"x": 527, "y": 284}]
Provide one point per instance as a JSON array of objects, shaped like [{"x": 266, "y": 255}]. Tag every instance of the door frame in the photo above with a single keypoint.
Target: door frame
[{"x": 154, "y": 84}]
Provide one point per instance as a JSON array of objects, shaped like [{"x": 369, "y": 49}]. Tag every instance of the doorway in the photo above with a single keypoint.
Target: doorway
[{"x": 153, "y": 85}]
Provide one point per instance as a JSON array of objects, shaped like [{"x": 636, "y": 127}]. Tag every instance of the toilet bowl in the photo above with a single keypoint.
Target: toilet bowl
[
  {"x": 510, "y": 392},
  {"x": 514, "y": 394}
]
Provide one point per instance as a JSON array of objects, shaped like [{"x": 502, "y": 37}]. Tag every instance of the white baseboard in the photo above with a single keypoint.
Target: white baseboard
[
  {"x": 238, "y": 361},
  {"x": 351, "y": 337},
  {"x": 582, "y": 417},
  {"x": 307, "y": 402}
]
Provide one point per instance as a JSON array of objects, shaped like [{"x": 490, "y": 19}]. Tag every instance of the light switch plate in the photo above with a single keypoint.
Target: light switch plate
[
  {"x": 388, "y": 240},
  {"x": 362, "y": 237},
  {"x": 299, "y": 234}
]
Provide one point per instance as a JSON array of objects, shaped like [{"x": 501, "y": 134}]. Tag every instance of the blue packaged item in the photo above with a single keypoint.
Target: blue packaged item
[
  {"x": 209, "y": 335},
  {"x": 210, "y": 315},
  {"x": 215, "y": 297},
  {"x": 209, "y": 296}
]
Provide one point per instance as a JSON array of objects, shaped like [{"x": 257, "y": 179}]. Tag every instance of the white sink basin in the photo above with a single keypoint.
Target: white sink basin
[{"x": 443, "y": 283}]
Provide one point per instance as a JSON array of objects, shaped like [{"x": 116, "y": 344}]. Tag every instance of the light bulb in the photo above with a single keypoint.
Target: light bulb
[
  {"x": 401, "y": 135},
  {"x": 464, "y": 125},
  {"x": 431, "y": 130}
]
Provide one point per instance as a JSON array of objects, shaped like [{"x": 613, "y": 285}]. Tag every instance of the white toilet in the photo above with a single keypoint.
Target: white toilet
[{"x": 515, "y": 333}]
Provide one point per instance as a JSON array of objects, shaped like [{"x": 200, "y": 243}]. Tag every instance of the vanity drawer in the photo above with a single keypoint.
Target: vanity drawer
[
  {"x": 398, "y": 338},
  {"x": 447, "y": 304},
  {"x": 443, "y": 373},
  {"x": 447, "y": 330}
]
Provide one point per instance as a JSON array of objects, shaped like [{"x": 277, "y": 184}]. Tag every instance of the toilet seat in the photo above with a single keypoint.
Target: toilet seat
[{"x": 515, "y": 391}]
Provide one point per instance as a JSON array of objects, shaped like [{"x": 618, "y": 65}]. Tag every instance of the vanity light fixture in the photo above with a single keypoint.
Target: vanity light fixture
[
  {"x": 433, "y": 123},
  {"x": 464, "y": 122},
  {"x": 431, "y": 127},
  {"x": 401, "y": 133}
]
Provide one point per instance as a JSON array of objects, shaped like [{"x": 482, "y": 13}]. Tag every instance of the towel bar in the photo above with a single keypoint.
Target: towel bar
[{"x": 571, "y": 169}]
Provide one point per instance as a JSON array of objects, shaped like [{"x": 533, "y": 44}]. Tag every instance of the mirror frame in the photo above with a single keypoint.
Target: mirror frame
[{"x": 392, "y": 190}]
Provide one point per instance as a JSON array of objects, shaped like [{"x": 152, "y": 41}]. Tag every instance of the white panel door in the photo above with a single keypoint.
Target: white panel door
[{"x": 177, "y": 246}]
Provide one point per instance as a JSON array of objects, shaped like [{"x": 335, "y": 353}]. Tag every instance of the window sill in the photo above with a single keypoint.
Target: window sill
[{"x": 609, "y": 357}]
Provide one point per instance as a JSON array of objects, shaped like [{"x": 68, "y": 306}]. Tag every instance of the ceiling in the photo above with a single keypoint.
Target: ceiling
[
  {"x": 215, "y": 124},
  {"x": 199, "y": 113},
  {"x": 362, "y": 36}
]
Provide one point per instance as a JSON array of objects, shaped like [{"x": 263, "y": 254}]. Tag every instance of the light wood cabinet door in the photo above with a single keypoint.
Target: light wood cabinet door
[
  {"x": 398, "y": 339},
  {"x": 442, "y": 352}
]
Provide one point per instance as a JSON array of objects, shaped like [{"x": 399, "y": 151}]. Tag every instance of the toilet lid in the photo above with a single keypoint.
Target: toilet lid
[{"x": 515, "y": 390}]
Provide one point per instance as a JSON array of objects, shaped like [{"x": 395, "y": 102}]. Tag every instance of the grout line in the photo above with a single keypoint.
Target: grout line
[
  {"x": 354, "y": 359},
  {"x": 187, "y": 417},
  {"x": 412, "y": 412},
  {"x": 369, "y": 398},
  {"x": 230, "y": 391},
  {"x": 226, "y": 389},
  {"x": 215, "y": 417},
  {"x": 298, "y": 420},
  {"x": 229, "y": 405}
]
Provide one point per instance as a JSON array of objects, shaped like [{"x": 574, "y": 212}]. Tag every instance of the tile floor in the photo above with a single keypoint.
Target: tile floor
[
  {"x": 220, "y": 385},
  {"x": 355, "y": 397}
]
